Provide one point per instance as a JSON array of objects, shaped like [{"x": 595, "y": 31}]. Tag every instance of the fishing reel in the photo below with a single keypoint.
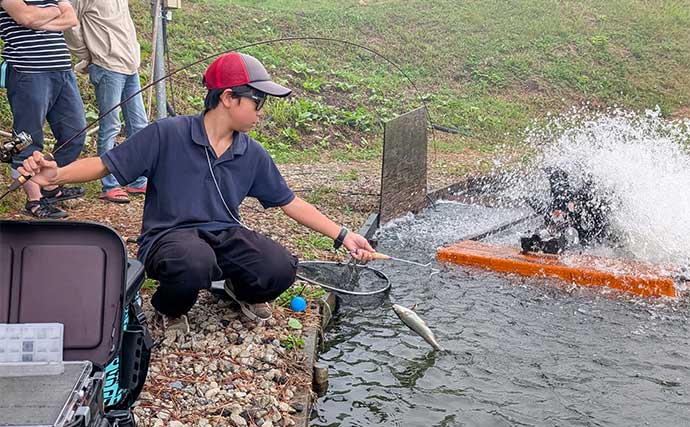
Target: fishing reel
[{"x": 14, "y": 146}]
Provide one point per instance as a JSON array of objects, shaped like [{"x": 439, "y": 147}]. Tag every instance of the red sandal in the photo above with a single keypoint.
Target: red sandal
[{"x": 116, "y": 195}]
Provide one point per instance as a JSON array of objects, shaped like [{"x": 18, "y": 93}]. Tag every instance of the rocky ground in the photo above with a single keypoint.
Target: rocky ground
[
  {"x": 227, "y": 371},
  {"x": 230, "y": 371}
]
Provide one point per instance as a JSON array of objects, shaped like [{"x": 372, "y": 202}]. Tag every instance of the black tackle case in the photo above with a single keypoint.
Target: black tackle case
[{"x": 76, "y": 274}]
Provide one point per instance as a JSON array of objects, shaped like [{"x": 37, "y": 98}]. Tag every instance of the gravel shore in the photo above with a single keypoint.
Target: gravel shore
[{"x": 227, "y": 371}]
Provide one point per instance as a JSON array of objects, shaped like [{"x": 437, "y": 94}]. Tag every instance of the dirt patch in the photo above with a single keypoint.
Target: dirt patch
[{"x": 681, "y": 113}]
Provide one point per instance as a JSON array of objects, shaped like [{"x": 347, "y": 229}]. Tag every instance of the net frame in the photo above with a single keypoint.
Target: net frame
[{"x": 376, "y": 272}]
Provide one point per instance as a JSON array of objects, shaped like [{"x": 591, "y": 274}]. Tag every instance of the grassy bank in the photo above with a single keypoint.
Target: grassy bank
[{"x": 487, "y": 68}]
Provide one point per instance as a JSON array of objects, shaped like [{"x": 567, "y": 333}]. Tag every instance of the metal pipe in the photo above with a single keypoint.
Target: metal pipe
[{"x": 159, "y": 67}]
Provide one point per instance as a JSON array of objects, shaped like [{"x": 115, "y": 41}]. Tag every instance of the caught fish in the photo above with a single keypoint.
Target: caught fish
[{"x": 414, "y": 322}]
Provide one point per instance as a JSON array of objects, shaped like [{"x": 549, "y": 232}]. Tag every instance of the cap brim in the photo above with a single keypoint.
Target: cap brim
[{"x": 270, "y": 88}]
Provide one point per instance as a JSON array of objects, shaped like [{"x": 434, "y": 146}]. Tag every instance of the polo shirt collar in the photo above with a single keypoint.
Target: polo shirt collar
[{"x": 237, "y": 148}]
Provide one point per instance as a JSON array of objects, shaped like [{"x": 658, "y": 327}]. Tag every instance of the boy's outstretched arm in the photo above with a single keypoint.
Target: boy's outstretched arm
[
  {"x": 45, "y": 172},
  {"x": 307, "y": 215}
]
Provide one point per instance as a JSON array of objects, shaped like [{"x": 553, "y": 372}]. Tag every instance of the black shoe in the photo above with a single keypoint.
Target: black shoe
[
  {"x": 44, "y": 210},
  {"x": 62, "y": 193}
]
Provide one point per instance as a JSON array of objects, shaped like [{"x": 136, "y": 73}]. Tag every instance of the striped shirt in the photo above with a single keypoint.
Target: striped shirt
[{"x": 33, "y": 51}]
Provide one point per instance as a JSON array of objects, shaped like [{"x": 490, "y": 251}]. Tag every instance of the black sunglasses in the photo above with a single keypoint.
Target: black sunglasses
[{"x": 258, "y": 97}]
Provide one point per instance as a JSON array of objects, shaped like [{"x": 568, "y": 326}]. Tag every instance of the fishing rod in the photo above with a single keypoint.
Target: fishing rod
[
  {"x": 379, "y": 255},
  {"x": 50, "y": 156}
]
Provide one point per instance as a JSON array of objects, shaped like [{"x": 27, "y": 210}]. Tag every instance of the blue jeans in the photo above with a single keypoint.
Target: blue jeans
[
  {"x": 111, "y": 89},
  {"x": 52, "y": 96}
]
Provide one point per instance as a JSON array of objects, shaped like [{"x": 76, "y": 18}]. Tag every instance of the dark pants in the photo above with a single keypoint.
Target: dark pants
[
  {"x": 53, "y": 96},
  {"x": 186, "y": 261}
]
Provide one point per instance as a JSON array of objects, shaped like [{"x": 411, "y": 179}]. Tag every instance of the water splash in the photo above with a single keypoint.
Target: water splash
[
  {"x": 452, "y": 221},
  {"x": 642, "y": 160}
]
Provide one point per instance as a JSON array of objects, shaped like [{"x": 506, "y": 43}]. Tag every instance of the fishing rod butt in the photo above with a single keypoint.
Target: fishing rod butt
[
  {"x": 379, "y": 255},
  {"x": 18, "y": 183},
  {"x": 23, "y": 179}
]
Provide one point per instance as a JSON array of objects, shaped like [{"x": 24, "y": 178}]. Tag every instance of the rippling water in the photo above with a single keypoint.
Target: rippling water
[{"x": 519, "y": 351}]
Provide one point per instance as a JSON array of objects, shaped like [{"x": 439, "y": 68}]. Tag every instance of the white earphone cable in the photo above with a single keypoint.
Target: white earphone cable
[{"x": 220, "y": 193}]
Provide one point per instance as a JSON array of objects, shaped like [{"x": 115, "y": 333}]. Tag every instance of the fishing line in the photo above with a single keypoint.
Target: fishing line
[{"x": 21, "y": 180}]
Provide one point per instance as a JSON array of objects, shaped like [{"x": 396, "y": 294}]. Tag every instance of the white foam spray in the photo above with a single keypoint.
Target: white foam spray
[{"x": 643, "y": 160}]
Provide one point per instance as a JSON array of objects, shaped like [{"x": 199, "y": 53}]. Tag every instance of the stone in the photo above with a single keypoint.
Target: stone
[
  {"x": 238, "y": 421},
  {"x": 235, "y": 351},
  {"x": 284, "y": 407},
  {"x": 212, "y": 393},
  {"x": 227, "y": 367},
  {"x": 263, "y": 402}
]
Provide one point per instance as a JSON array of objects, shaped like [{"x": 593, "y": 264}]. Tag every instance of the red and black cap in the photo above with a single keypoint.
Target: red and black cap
[{"x": 238, "y": 69}]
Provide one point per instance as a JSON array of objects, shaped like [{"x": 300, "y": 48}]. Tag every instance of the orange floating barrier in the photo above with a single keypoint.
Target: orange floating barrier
[{"x": 626, "y": 275}]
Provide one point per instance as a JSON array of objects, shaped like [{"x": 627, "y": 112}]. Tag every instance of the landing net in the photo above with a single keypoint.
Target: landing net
[{"x": 345, "y": 278}]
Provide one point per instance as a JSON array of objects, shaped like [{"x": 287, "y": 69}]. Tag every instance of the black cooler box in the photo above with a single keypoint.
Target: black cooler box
[{"x": 76, "y": 274}]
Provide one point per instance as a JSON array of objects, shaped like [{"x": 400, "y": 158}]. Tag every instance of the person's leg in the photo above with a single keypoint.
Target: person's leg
[
  {"x": 133, "y": 110},
  {"x": 184, "y": 264},
  {"x": 108, "y": 87},
  {"x": 134, "y": 114},
  {"x": 30, "y": 96},
  {"x": 259, "y": 268},
  {"x": 67, "y": 119}
]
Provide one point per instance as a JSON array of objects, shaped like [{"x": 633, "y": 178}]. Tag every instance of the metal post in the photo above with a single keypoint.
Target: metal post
[{"x": 159, "y": 59}]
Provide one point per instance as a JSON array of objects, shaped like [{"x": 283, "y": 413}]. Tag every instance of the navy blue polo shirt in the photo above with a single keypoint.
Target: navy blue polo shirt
[{"x": 181, "y": 193}]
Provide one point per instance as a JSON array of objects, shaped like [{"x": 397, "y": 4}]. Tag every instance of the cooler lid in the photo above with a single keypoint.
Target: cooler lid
[{"x": 65, "y": 272}]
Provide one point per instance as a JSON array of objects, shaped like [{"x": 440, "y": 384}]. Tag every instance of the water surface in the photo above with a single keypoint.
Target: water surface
[{"x": 520, "y": 352}]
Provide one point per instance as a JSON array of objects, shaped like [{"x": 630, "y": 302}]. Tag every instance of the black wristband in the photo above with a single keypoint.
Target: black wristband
[{"x": 338, "y": 242}]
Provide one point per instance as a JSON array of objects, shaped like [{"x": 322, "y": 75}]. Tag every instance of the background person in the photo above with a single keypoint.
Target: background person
[
  {"x": 40, "y": 86},
  {"x": 105, "y": 42}
]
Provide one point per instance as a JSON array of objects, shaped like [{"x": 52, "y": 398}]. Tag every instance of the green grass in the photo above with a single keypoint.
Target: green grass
[
  {"x": 308, "y": 292},
  {"x": 292, "y": 342},
  {"x": 314, "y": 242},
  {"x": 149, "y": 285},
  {"x": 482, "y": 67},
  {"x": 485, "y": 67}
]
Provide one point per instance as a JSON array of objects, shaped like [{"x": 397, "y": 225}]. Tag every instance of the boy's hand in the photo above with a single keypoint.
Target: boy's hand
[
  {"x": 359, "y": 247},
  {"x": 43, "y": 172}
]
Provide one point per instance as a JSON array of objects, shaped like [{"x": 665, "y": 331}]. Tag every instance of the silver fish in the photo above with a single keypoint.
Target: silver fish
[{"x": 414, "y": 322}]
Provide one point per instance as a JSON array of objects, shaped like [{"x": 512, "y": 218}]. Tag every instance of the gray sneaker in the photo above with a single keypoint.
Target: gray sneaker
[
  {"x": 167, "y": 323},
  {"x": 261, "y": 311}
]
